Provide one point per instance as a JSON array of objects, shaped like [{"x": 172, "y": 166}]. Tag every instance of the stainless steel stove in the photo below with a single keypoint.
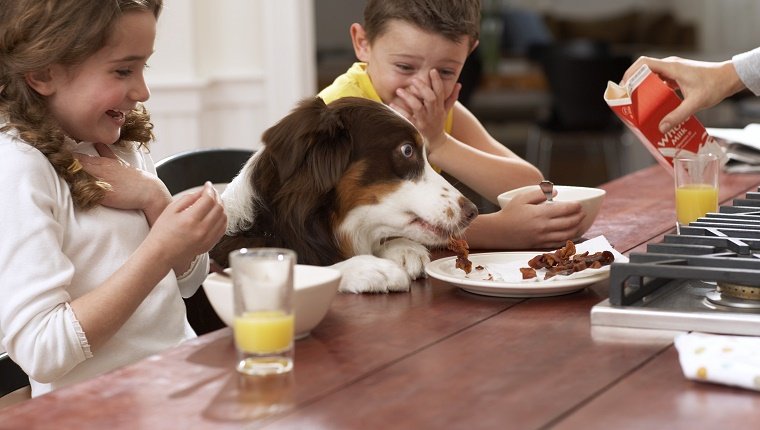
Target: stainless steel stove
[{"x": 707, "y": 278}]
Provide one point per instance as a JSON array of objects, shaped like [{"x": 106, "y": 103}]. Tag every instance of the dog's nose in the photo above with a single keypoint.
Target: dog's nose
[{"x": 469, "y": 210}]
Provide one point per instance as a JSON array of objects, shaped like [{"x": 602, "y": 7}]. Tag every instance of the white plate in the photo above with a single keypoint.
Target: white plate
[
  {"x": 506, "y": 266},
  {"x": 445, "y": 270}
]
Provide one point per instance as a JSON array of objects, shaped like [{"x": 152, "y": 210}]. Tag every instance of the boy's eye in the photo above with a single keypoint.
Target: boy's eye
[
  {"x": 404, "y": 67},
  {"x": 123, "y": 72},
  {"x": 446, "y": 73}
]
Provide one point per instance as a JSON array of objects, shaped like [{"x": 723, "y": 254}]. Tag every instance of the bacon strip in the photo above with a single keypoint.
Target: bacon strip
[
  {"x": 462, "y": 251},
  {"x": 564, "y": 261}
]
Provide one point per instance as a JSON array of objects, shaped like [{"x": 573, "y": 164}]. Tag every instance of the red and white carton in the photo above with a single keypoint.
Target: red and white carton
[{"x": 642, "y": 103}]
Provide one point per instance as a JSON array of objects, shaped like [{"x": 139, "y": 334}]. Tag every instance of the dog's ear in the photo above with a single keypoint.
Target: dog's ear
[
  {"x": 329, "y": 149},
  {"x": 311, "y": 137}
]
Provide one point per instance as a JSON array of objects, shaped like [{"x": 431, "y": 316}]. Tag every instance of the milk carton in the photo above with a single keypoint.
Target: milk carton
[{"x": 642, "y": 103}]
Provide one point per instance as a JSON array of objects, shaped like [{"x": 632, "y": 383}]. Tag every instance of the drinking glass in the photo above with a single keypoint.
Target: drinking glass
[
  {"x": 696, "y": 178},
  {"x": 263, "y": 327}
]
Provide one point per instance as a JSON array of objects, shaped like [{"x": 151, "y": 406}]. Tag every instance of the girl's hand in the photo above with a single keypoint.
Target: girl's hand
[
  {"x": 132, "y": 188},
  {"x": 531, "y": 224},
  {"x": 190, "y": 226},
  {"x": 426, "y": 106}
]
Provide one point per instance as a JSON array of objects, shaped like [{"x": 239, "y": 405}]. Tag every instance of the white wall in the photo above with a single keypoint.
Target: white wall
[{"x": 226, "y": 70}]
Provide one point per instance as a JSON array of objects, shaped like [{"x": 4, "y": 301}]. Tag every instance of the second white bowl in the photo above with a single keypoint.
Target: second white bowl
[{"x": 315, "y": 287}]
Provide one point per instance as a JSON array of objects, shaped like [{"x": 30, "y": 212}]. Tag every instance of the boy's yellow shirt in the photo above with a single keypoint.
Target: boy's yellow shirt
[{"x": 356, "y": 83}]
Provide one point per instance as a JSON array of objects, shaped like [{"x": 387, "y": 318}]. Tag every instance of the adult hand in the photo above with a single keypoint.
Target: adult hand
[{"x": 703, "y": 84}]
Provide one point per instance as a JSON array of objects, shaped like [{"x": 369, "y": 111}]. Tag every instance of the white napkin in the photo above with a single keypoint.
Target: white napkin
[{"x": 729, "y": 360}]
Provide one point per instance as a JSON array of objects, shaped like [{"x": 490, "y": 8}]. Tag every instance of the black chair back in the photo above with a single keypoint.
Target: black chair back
[
  {"x": 190, "y": 169},
  {"x": 11, "y": 376}
]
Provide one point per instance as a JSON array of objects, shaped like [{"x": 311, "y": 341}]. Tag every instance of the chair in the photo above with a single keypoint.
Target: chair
[
  {"x": 190, "y": 169},
  {"x": 186, "y": 170},
  {"x": 11, "y": 376},
  {"x": 577, "y": 73}
]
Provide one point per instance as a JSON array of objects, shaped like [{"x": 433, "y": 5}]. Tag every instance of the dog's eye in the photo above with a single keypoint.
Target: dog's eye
[{"x": 407, "y": 150}]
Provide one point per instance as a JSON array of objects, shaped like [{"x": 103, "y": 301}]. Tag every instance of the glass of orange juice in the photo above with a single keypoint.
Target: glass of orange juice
[
  {"x": 263, "y": 327},
  {"x": 696, "y": 178}
]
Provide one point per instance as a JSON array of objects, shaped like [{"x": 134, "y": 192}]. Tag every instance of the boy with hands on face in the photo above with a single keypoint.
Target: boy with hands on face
[{"x": 411, "y": 53}]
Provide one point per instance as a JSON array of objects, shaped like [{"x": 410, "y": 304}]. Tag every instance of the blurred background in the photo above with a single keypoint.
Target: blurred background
[{"x": 226, "y": 70}]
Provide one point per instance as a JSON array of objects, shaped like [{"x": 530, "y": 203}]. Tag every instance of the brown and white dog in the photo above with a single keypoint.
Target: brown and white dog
[{"x": 345, "y": 184}]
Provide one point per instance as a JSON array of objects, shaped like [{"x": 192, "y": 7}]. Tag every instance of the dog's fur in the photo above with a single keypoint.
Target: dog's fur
[{"x": 345, "y": 184}]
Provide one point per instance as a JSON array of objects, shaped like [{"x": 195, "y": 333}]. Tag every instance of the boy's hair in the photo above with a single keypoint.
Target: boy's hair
[
  {"x": 35, "y": 34},
  {"x": 451, "y": 19}
]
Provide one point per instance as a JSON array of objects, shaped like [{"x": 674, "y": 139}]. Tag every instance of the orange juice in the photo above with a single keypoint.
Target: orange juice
[
  {"x": 694, "y": 201},
  {"x": 263, "y": 332}
]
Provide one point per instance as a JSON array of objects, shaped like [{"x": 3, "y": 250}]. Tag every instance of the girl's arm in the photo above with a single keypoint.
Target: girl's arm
[
  {"x": 187, "y": 227},
  {"x": 132, "y": 188}
]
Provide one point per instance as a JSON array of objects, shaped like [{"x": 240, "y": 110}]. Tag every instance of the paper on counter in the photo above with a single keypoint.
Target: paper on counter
[
  {"x": 749, "y": 135},
  {"x": 720, "y": 359},
  {"x": 510, "y": 271}
]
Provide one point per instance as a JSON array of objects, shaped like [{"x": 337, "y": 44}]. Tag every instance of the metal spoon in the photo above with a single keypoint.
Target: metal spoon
[{"x": 548, "y": 189}]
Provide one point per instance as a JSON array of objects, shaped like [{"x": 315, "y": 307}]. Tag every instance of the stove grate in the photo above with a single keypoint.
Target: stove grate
[{"x": 720, "y": 247}]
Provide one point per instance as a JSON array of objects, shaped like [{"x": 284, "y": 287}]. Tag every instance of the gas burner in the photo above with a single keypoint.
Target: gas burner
[
  {"x": 707, "y": 278},
  {"x": 734, "y": 296}
]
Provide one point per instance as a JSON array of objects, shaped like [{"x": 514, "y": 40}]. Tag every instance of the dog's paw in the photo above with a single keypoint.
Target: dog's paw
[
  {"x": 370, "y": 274},
  {"x": 408, "y": 254}
]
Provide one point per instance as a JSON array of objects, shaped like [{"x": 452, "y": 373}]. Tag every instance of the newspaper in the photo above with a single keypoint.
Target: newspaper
[{"x": 742, "y": 146}]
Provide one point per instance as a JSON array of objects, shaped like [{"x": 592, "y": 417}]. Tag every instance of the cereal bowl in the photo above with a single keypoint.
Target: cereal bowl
[
  {"x": 315, "y": 287},
  {"x": 589, "y": 198}
]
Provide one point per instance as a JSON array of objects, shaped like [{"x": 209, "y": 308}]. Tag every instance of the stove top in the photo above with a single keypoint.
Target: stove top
[{"x": 707, "y": 278}]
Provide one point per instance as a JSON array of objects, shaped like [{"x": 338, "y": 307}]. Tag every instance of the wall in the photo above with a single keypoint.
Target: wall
[
  {"x": 726, "y": 27},
  {"x": 226, "y": 70}
]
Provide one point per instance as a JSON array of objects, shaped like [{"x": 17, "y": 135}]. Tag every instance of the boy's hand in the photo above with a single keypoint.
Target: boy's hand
[
  {"x": 426, "y": 107},
  {"x": 530, "y": 224}
]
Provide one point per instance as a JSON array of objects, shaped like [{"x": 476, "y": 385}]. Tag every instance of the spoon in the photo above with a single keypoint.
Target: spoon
[{"x": 548, "y": 188}]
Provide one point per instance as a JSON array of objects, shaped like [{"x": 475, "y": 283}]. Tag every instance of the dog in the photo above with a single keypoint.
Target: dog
[{"x": 345, "y": 185}]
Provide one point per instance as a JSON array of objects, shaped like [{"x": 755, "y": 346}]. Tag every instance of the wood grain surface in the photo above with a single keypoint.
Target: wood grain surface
[{"x": 437, "y": 358}]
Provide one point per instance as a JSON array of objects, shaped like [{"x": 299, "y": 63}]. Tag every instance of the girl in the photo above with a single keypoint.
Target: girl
[{"x": 94, "y": 256}]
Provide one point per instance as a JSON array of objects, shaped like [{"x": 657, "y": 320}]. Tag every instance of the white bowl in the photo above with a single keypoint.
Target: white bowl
[
  {"x": 315, "y": 287},
  {"x": 589, "y": 198}
]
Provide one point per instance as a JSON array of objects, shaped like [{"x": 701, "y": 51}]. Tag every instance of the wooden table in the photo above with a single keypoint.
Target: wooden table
[{"x": 436, "y": 358}]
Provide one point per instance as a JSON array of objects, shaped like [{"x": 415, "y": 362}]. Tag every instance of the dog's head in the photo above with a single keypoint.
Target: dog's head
[{"x": 333, "y": 181}]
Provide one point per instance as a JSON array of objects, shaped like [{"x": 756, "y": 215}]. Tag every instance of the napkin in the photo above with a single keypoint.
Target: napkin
[
  {"x": 510, "y": 271},
  {"x": 720, "y": 359}
]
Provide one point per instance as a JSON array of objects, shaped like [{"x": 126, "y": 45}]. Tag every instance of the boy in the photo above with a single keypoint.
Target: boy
[{"x": 411, "y": 53}]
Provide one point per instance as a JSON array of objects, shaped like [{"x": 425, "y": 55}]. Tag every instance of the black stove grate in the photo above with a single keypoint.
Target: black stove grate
[{"x": 720, "y": 247}]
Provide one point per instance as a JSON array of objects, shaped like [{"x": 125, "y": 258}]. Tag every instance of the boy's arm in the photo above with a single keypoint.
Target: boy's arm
[
  {"x": 524, "y": 223},
  {"x": 475, "y": 158}
]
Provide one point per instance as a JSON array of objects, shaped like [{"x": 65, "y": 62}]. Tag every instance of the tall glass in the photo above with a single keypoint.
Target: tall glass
[
  {"x": 696, "y": 187},
  {"x": 263, "y": 328}
]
